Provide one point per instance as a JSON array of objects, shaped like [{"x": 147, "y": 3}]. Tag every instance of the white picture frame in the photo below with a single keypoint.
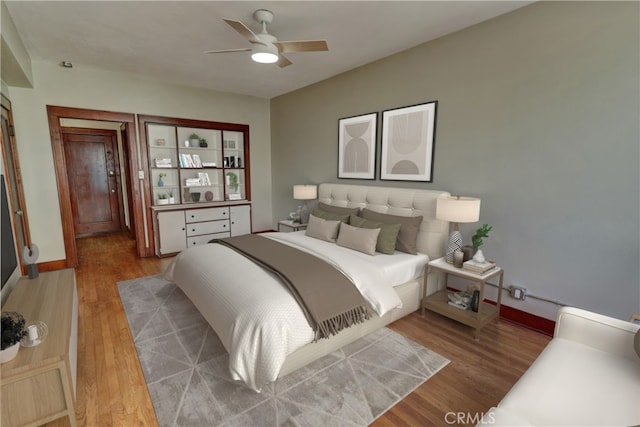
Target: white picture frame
[
  {"x": 357, "y": 146},
  {"x": 408, "y": 138}
]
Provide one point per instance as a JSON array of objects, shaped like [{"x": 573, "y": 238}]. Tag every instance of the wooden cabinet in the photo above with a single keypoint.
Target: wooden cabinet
[
  {"x": 182, "y": 228},
  {"x": 198, "y": 180},
  {"x": 170, "y": 228},
  {"x": 240, "y": 216},
  {"x": 39, "y": 385}
]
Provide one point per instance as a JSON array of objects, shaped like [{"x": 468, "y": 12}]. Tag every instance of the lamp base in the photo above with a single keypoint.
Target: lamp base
[
  {"x": 455, "y": 244},
  {"x": 304, "y": 214}
]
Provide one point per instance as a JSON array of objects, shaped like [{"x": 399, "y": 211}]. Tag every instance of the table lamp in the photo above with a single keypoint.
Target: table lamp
[
  {"x": 457, "y": 209},
  {"x": 305, "y": 192}
]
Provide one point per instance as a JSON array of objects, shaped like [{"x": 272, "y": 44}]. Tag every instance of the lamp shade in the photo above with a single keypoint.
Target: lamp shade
[
  {"x": 305, "y": 192},
  {"x": 458, "y": 209}
]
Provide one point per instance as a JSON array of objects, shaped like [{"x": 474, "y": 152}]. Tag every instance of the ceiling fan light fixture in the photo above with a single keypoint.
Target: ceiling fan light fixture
[
  {"x": 264, "y": 57},
  {"x": 264, "y": 53}
]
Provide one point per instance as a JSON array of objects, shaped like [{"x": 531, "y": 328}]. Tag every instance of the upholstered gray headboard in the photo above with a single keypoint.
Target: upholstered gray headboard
[{"x": 433, "y": 234}]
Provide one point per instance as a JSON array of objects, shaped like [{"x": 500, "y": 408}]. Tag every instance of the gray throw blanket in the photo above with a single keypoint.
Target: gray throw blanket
[{"x": 329, "y": 300}]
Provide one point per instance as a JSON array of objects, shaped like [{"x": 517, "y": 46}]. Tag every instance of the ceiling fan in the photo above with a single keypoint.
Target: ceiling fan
[{"x": 266, "y": 48}]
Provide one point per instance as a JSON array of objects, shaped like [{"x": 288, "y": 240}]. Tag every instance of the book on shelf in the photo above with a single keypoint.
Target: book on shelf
[
  {"x": 186, "y": 161},
  {"x": 478, "y": 267},
  {"x": 208, "y": 164},
  {"x": 196, "y": 160},
  {"x": 234, "y": 196},
  {"x": 163, "y": 163}
]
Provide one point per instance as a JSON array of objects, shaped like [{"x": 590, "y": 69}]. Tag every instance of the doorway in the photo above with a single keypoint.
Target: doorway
[
  {"x": 95, "y": 186},
  {"x": 136, "y": 213}
]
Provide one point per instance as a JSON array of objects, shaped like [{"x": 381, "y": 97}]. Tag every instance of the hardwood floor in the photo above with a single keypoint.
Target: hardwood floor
[{"x": 111, "y": 389}]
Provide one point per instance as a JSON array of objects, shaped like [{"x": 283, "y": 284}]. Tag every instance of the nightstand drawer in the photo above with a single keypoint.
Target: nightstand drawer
[
  {"x": 207, "y": 214},
  {"x": 198, "y": 228}
]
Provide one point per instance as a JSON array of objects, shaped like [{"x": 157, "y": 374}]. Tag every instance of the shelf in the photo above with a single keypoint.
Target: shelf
[{"x": 439, "y": 303}]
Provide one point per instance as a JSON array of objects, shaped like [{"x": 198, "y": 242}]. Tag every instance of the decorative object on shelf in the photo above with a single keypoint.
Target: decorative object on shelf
[
  {"x": 232, "y": 181},
  {"x": 408, "y": 136},
  {"x": 476, "y": 241},
  {"x": 172, "y": 199},
  {"x": 357, "y": 146},
  {"x": 295, "y": 217},
  {"x": 468, "y": 252},
  {"x": 460, "y": 300},
  {"x": 163, "y": 199},
  {"x": 457, "y": 209},
  {"x": 477, "y": 266},
  {"x": 195, "y": 197},
  {"x": 305, "y": 192},
  {"x": 208, "y": 196},
  {"x": 160, "y": 181},
  {"x": 186, "y": 194},
  {"x": 13, "y": 330},
  {"x": 37, "y": 331},
  {"x": 203, "y": 143},
  {"x": 475, "y": 301},
  {"x": 194, "y": 140},
  {"x": 458, "y": 258},
  {"x": 160, "y": 142}
]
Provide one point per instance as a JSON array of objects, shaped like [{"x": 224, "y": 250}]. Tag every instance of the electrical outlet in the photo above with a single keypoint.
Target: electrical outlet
[{"x": 518, "y": 292}]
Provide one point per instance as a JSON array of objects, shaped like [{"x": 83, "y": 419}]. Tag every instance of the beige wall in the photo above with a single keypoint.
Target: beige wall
[
  {"x": 538, "y": 115},
  {"x": 113, "y": 91}
]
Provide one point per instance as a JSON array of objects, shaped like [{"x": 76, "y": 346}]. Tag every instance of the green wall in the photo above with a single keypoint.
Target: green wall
[{"x": 538, "y": 115}]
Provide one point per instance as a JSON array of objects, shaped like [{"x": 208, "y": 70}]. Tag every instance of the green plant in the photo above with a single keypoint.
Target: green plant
[
  {"x": 170, "y": 193},
  {"x": 203, "y": 143},
  {"x": 162, "y": 175},
  {"x": 162, "y": 196},
  {"x": 481, "y": 232},
  {"x": 194, "y": 136},
  {"x": 232, "y": 181},
  {"x": 12, "y": 329}
]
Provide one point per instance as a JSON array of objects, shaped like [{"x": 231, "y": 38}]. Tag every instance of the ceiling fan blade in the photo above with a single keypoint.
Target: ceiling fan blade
[
  {"x": 243, "y": 30},
  {"x": 283, "y": 61},
  {"x": 229, "y": 50},
  {"x": 302, "y": 46}
]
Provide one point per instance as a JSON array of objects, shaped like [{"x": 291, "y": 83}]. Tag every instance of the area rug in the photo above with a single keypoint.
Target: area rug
[{"x": 186, "y": 370}]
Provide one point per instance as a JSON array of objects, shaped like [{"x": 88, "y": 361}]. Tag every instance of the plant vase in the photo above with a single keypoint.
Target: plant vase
[
  {"x": 172, "y": 200},
  {"x": 163, "y": 201},
  {"x": 9, "y": 353}
]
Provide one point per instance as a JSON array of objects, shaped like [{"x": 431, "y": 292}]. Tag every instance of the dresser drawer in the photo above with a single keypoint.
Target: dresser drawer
[
  {"x": 207, "y": 214},
  {"x": 198, "y": 228},
  {"x": 202, "y": 240}
]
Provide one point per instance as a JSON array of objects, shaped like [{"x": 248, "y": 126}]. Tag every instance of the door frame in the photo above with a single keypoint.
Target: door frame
[
  {"x": 54, "y": 114},
  {"x": 13, "y": 176}
]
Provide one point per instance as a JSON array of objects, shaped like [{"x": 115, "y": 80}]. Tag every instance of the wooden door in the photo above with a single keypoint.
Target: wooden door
[{"x": 93, "y": 173}]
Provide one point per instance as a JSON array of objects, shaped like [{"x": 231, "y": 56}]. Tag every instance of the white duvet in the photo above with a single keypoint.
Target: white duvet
[{"x": 255, "y": 316}]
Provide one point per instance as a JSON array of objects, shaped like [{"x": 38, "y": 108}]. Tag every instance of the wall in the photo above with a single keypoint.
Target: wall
[
  {"x": 538, "y": 116},
  {"x": 113, "y": 91}
]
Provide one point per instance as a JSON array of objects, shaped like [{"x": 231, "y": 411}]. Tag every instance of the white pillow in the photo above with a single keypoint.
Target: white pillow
[
  {"x": 322, "y": 229},
  {"x": 359, "y": 239}
]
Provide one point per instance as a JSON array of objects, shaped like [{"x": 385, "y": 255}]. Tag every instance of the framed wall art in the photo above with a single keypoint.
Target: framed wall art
[
  {"x": 357, "y": 146},
  {"x": 408, "y": 137}
]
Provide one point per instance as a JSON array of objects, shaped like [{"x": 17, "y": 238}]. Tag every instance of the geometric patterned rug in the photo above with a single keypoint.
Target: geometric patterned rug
[{"x": 186, "y": 370}]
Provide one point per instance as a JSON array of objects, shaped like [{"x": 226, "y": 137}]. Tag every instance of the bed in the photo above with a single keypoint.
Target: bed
[{"x": 260, "y": 323}]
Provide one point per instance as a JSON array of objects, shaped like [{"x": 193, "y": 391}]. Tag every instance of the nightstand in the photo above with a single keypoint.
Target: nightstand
[
  {"x": 439, "y": 301},
  {"x": 294, "y": 226}
]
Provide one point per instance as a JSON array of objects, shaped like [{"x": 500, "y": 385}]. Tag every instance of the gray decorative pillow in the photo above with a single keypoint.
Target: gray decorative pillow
[
  {"x": 360, "y": 239},
  {"x": 409, "y": 227},
  {"x": 636, "y": 342},
  {"x": 332, "y": 216},
  {"x": 322, "y": 229},
  {"x": 338, "y": 209},
  {"x": 388, "y": 233}
]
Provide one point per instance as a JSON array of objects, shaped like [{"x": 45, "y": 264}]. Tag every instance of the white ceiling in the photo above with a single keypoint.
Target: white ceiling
[{"x": 166, "y": 39}]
